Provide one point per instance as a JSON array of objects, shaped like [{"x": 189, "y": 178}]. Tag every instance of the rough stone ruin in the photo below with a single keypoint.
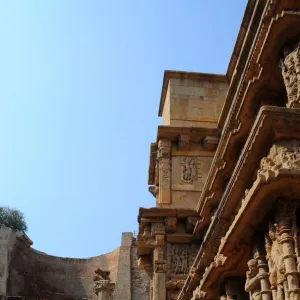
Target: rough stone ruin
[
  {"x": 224, "y": 172},
  {"x": 26, "y": 273}
]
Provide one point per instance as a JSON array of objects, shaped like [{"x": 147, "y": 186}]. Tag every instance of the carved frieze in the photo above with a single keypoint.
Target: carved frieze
[
  {"x": 282, "y": 155},
  {"x": 290, "y": 68},
  {"x": 181, "y": 259}
]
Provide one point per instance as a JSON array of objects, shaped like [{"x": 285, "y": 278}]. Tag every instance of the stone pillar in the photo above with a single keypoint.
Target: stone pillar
[
  {"x": 103, "y": 289},
  {"x": 164, "y": 160},
  {"x": 159, "y": 278},
  {"x": 285, "y": 211},
  {"x": 263, "y": 273},
  {"x": 160, "y": 265},
  {"x": 123, "y": 280}
]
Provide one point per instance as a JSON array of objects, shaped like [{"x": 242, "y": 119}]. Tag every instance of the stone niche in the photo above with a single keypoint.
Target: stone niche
[
  {"x": 189, "y": 174},
  {"x": 192, "y": 99}
]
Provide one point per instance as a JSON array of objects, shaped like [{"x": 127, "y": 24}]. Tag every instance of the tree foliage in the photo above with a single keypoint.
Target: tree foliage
[{"x": 12, "y": 218}]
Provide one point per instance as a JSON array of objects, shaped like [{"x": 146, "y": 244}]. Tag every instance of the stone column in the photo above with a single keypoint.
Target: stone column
[
  {"x": 103, "y": 289},
  {"x": 263, "y": 272},
  {"x": 285, "y": 211},
  {"x": 159, "y": 279},
  {"x": 164, "y": 160},
  {"x": 160, "y": 264}
]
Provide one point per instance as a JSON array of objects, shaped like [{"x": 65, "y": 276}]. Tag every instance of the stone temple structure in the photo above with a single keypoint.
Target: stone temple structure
[
  {"x": 225, "y": 175},
  {"x": 225, "y": 171}
]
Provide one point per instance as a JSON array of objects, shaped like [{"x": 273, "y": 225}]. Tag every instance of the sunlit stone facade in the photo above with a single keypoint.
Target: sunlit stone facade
[{"x": 225, "y": 171}]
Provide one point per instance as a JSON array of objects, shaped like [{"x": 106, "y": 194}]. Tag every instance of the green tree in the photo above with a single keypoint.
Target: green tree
[{"x": 13, "y": 218}]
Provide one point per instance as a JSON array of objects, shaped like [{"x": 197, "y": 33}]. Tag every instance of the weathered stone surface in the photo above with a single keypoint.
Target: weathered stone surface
[{"x": 34, "y": 274}]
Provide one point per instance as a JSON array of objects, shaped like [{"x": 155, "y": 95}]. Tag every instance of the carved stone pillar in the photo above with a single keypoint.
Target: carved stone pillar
[
  {"x": 103, "y": 289},
  {"x": 164, "y": 160},
  {"x": 285, "y": 211},
  {"x": 263, "y": 272},
  {"x": 159, "y": 278},
  {"x": 160, "y": 265}
]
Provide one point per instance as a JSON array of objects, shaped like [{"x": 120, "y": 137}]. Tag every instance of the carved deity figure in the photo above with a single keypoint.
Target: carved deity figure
[
  {"x": 277, "y": 275},
  {"x": 252, "y": 285},
  {"x": 180, "y": 263},
  {"x": 188, "y": 169},
  {"x": 184, "y": 262}
]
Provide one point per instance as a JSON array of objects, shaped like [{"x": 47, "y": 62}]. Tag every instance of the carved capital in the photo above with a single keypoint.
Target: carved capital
[
  {"x": 164, "y": 149},
  {"x": 158, "y": 229},
  {"x": 103, "y": 286}
]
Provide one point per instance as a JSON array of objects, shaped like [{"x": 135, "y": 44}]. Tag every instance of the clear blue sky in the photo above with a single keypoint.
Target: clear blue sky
[{"x": 80, "y": 87}]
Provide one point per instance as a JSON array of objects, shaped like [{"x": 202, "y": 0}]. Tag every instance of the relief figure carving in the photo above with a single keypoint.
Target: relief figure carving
[
  {"x": 180, "y": 260},
  {"x": 252, "y": 285},
  {"x": 188, "y": 169},
  {"x": 275, "y": 260}
]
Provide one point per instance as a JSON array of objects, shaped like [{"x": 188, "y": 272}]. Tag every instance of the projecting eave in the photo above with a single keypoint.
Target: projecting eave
[{"x": 184, "y": 75}]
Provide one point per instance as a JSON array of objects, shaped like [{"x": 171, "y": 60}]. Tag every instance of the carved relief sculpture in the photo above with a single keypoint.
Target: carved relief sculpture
[
  {"x": 188, "y": 169},
  {"x": 290, "y": 68},
  {"x": 282, "y": 155},
  {"x": 276, "y": 263},
  {"x": 252, "y": 285},
  {"x": 180, "y": 260}
]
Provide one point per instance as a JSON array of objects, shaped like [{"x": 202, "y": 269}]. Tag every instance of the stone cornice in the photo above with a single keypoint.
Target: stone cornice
[
  {"x": 272, "y": 123},
  {"x": 196, "y": 134},
  {"x": 184, "y": 75}
]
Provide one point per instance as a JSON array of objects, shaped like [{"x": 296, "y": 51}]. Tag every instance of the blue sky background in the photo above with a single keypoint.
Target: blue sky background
[{"x": 79, "y": 93}]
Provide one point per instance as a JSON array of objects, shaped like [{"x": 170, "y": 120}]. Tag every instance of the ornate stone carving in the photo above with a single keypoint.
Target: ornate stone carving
[
  {"x": 290, "y": 68},
  {"x": 153, "y": 190},
  {"x": 164, "y": 149},
  {"x": 180, "y": 259},
  {"x": 188, "y": 169},
  {"x": 165, "y": 173},
  {"x": 275, "y": 261},
  {"x": 158, "y": 229},
  {"x": 280, "y": 248},
  {"x": 102, "y": 283},
  {"x": 160, "y": 266},
  {"x": 282, "y": 155},
  {"x": 252, "y": 285}
]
